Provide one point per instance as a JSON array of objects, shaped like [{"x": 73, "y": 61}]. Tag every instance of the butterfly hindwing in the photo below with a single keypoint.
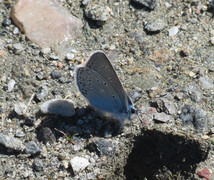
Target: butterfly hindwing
[{"x": 98, "y": 91}]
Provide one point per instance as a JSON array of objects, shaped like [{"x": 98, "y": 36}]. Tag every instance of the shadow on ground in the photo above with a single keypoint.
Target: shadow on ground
[
  {"x": 52, "y": 126},
  {"x": 156, "y": 155}
]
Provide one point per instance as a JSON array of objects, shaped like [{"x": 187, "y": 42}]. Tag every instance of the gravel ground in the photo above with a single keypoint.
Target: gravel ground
[{"x": 163, "y": 53}]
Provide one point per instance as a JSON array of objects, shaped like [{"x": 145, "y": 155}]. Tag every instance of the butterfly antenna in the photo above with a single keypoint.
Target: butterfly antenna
[{"x": 139, "y": 118}]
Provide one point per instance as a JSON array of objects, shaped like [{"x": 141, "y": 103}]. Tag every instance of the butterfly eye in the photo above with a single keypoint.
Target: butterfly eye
[{"x": 133, "y": 110}]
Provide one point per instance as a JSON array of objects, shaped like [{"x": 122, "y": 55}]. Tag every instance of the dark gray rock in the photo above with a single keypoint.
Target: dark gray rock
[
  {"x": 97, "y": 12},
  {"x": 6, "y": 22},
  {"x": 46, "y": 135},
  {"x": 105, "y": 146},
  {"x": 30, "y": 120},
  {"x": 56, "y": 74},
  {"x": 135, "y": 96},
  {"x": 194, "y": 116},
  {"x": 11, "y": 143},
  {"x": 148, "y": 3},
  {"x": 38, "y": 164},
  {"x": 33, "y": 148},
  {"x": 212, "y": 3},
  {"x": 156, "y": 25}
]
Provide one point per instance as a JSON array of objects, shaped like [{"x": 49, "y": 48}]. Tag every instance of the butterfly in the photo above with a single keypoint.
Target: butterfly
[{"x": 98, "y": 82}]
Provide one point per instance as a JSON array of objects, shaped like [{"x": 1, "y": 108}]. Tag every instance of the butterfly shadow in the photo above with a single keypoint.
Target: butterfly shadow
[
  {"x": 158, "y": 155},
  {"x": 85, "y": 123}
]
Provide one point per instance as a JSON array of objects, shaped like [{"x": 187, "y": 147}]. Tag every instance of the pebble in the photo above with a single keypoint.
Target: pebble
[
  {"x": 148, "y": 3},
  {"x": 194, "y": 92},
  {"x": 192, "y": 74},
  {"x": 30, "y": 120},
  {"x": 86, "y": 2},
  {"x": 65, "y": 164},
  {"x": 63, "y": 108},
  {"x": 206, "y": 83},
  {"x": 53, "y": 57},
  {"x": 56, "y": 74},
  {"x": 212, "y": 140},
  {"x": 179, "y": 96},
  {"x": 97, "y": 12},
  {"x": 16, "y": 30},
  {"x": 20, "y": 133},
  {"x": 38, "y": 164},
  {"x": 70, "y": 56},
  {"x": 71, "y": 67},
  {"x": 91, "y": 175},
  {"x": 105, "y": 146},
  {"x": 154, "y": 92},
  {"x": 32, "y": 148},
  {"x": 11, "y": 143},
  {"x": 212, "y": 3},
  {"x": 61, "y": 24},
  {"x": 20, "y": 108},
  {"x": 166, "y": 106},
  {"x": 76, "y": 147},
  {"x": 205, "y": 137},
  {"x": 42, "y": 93},
  {"x": 155, "y": 25},
  {"x": 6, "y": 22},
  {"x": 204, "y": 173},
  {"x": 161, "y": 117},
  {"x": 212, "y": 40},
  {"x": 173, "y": 31},
  {"x": 17, "y": 48},
  {"x": 195, "y": 116},
  {"x": 46, "y": 50},
  {"x": 79, "y": 163},
  {"x": 46, "y": 135},
  {"x": 10, "y": 85},
  {"x": 185, "y": 52}
]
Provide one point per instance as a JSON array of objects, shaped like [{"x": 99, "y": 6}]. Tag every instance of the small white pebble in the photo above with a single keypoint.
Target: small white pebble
[
  {"x": 173, "y": 31},
  {"x": 212, "y": 40},
  {"x": 16, "y": 30},
  {"x": 70, "y": 56},
  {"x": 11, "y": 84}
]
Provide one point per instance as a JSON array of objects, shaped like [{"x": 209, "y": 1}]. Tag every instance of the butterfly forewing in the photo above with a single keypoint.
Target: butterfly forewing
[
  {"x": 98, "y": 91},
  {"x": 99, "y": 63}
]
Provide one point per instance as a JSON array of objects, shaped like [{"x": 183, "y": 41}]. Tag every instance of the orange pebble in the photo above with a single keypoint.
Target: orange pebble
[{"x": 59, "y": 65}]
